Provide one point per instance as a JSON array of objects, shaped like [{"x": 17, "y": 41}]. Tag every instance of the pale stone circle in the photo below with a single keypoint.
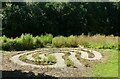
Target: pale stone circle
[{"x": 58, "y": 53}]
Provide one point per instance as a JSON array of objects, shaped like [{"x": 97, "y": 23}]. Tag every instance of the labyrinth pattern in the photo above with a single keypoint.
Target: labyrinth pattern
[{"x": 58, "y": 53}]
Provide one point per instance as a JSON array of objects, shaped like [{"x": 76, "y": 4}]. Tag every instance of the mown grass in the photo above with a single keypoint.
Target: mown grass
[{"x": 109, "y": 68}]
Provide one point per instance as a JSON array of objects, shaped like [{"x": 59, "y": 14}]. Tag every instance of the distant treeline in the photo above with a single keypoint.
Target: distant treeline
[{"x": 57, "y": 18}]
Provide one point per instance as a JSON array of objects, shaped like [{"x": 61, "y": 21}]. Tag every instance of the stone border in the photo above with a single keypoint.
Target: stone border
[{"x": 60, "y": 61}]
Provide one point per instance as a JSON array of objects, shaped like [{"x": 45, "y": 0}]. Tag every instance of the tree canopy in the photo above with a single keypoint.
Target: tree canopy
[{"x": 60, "y": 18}]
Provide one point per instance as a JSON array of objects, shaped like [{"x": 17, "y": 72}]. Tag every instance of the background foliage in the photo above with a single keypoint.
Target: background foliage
[{"x": 60, "y": 18}]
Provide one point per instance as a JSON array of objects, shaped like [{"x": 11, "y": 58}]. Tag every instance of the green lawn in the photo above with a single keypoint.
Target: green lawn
[{"x": 108, "y": 68}]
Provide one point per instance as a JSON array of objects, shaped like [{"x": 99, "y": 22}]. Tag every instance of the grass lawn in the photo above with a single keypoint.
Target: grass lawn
[{"x": 108, "y": 68}]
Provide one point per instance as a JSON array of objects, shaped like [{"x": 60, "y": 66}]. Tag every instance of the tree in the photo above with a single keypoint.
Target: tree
[{"x": 60, "y": 18}]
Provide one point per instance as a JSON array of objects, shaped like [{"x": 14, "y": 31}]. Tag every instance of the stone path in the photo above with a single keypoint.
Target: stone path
[
  {"x": 97, "y": 55},
  {"x": 60, "y": 61},
  {"x": 74, "y": 59}
]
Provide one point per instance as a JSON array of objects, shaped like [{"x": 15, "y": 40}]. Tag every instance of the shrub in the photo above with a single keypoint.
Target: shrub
[
  {"x": 2, "y": 41},
  {"x": 22, "y": 43},
  {"x": 59, "y": 41},
  {"x": 27, "y": 41},
  {"x": 51, "y": 59},
  {"x": 99, "y": 41},
  {"x": 71, "y": 41},
  {"x": 68, "y": 62},
  {"x": 7, "y": 43},
  {"x": 6, "y": 46},
  {"x": 83, "y": 40},
  {"x": 46, "y": 39},
  {"x": 43, "y": 40},
  {"x": 37, "y": 42}
]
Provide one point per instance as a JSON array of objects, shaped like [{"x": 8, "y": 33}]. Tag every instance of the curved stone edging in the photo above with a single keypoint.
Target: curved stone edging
[
  {"x": 60, "y": 61},
  {"x": 97, "y": 55}
]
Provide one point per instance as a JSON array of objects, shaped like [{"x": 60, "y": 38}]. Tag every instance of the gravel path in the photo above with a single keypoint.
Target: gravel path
[
  {"x": 97, "y": 55},
  {"x": 74, "y": 59},
  {"x": 60, "y": 61}
]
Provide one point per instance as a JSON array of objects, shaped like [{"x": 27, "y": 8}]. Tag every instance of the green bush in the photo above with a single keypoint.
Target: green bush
[
  {"x": 2, "y": 41},
  {"x": 27, "y": 41},
  {"x": 7, "y": 43},
  {"x": 51, "y": 59},
  {"x": 68, "y": 62},
  {"x": 71, "y": 41},
  {"x": 46, "y": 39},
  {"x": 83, "y": 40},
  {"x": 43, "y": 40},
  {"x": 99, "y": 41},
  {"x": 59, "y": 41},
  {"x": 23, "y": 43},
  {"x": 37, "y": 42}
]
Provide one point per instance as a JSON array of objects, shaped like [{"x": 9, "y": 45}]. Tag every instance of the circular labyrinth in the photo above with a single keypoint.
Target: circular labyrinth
[{"x": 56, "y": 57}]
